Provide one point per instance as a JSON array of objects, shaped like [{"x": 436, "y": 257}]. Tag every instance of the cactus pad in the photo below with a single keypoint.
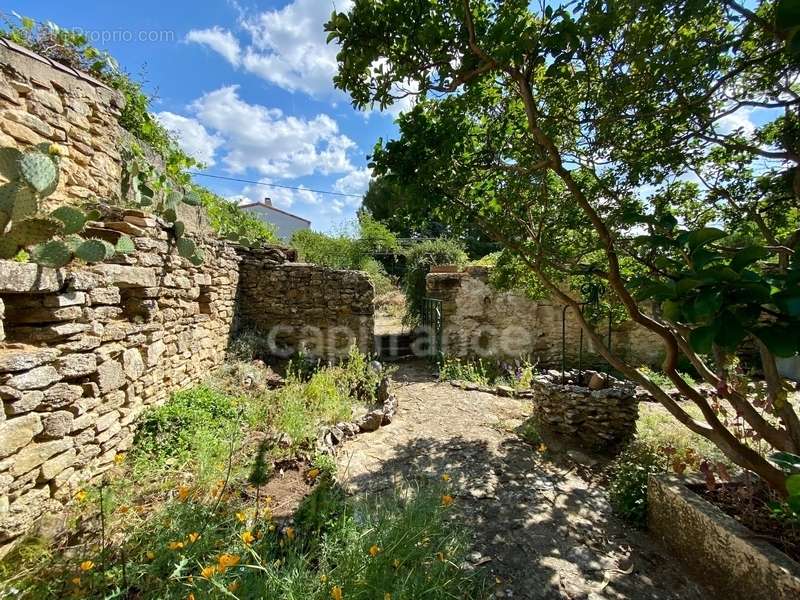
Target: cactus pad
[
  {"x": 34, "y": 231},
  {"x": 73, "y": 219},
  {"x": 186, "y": 247},
  {"x": 179, "y": 228},
  {"x": 197, "y": 258},
  {"x": 192, "y": 199},
  {"x": 54, "y": 254},
  {"x": 125, "y": 245},
  {"x": 9, "y": 163},
  {"x": 73, "y": 242},
  {"x": 39, "y": 171},
  {"x": 93, "y": 251},
  {"x": 18, "y": 200},
  {"x": 169, "y": 215}
]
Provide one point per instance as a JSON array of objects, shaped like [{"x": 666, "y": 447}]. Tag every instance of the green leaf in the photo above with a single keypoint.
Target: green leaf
[
  {"x": 93, "y": 251},
  {"x": 781, "y": 341},
  {"x": 786, "y": 461},
  {"x": 730, "y": 332},
  {"x": 125, "y": 245},
  {"x": 747, "y": 256},
  {"x": 788, "y": 301},
  {"x": 701, "y": 338},
  {"x": 704, "y": 236},
  {"x": 707, "y": 303},
  {"x": 793, "y": 484},
  {"x": 671, "y": 310},
  {"x": 787, "y": 14},
  {"x": 169, "y": 215}
]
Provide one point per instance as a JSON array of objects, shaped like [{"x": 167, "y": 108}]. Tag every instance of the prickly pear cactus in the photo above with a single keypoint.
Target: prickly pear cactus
[
  {"x": 52, "y": 240},
  {"x": 93, "y": 251},
  {"x": 125, "y": 245},
  {"x": 40, "y": 171},
  {"x": 54, "y": 253},
  {"x": 74, "y": 220}
]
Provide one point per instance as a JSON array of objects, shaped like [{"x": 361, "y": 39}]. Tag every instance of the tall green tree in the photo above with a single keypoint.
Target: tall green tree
[{"x": 543, "y": 123}]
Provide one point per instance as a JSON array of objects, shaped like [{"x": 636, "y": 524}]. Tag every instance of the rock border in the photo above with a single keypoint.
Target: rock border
[{"x": 717, "y": 550}]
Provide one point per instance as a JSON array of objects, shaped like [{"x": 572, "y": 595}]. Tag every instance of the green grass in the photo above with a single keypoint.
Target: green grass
[
  {"x": 403, "y": 543},
  {"x": 518, "y": 374}
]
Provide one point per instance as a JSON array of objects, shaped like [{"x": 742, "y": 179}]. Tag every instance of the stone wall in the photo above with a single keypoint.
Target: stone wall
[
  {"x": 478, "y": 319},
  {"x": 323, "y": 311},
  {"x": 43, "y": 101},
  {"x": 596, "y": 411}
]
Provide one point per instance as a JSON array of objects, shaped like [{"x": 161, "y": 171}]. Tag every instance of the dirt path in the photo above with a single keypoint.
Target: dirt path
[{"x": 548, "y": 532}]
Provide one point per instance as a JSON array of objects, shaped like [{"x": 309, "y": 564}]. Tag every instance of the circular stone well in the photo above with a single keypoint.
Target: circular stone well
[{"x": 593, "y": 408}]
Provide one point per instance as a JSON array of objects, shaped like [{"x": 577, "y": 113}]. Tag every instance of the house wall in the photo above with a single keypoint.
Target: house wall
[
  {"x": 286, "y": 224},
  {"x": 479, "y": 319}
]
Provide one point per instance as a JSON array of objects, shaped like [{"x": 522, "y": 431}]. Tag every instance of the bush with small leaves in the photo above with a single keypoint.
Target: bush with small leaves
[{"x": 630, "y": 472}]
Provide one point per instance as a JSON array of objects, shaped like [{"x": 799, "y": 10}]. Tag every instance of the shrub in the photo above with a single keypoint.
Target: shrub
[
  {"x": 483, "y": 371},
  {"x": 419, "y": 260},
  {"x": 185, "y": 424},
  {"x": 628, "y": 480},
  {"x": 229, "y": 221}
]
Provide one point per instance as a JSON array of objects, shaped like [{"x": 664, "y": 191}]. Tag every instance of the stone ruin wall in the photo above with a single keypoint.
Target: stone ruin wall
[
  {"x": 42, "y": 101},
  {"x": 85, "y": 349},
  {"x": 323, "y": 311},
  {"x": 476, "y": 314}
]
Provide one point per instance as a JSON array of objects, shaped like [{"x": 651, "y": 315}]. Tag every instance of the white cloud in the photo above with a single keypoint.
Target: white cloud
[
  {"x": 289, "y": 46},
  {"x": 275, "y": 145},
  {"x": 220, "y": 40},
  {"x": 355, "y": 182},
  {"x": 740, "y": 119},
  {"x": 192, "y": 137}
]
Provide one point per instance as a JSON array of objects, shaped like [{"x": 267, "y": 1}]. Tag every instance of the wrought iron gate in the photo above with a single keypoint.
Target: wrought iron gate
[{"x": 432, "y": 318}]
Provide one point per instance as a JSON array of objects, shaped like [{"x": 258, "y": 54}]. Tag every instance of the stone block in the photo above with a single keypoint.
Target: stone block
[
  {"x": 34, "y": 455},
  {"x": 61, "y": 395},
  {"x": 75, "y": 365},
  {"x": 125, "y": 276},
  {"x": 19, "y": 278},
  {"x": 132, "y": 363},
  {"x": 110, "y": 376},
  {"x": 66, "y": 299},
  {"x": 23, "y": 358},
  {"x": 35, "y": 379},
  {"x": 56, "y": 424},
  {"x": 18, "y": 432}
]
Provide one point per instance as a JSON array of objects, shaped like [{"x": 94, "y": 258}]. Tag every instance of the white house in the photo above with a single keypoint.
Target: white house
[{"x": 285, "y": 222}]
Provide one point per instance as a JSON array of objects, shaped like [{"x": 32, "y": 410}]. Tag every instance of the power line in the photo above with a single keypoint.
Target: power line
[{"x": 275, "y": 185}]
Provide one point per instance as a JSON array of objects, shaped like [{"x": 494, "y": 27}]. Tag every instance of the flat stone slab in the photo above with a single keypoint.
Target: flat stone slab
[{"x": 21, "y": 278}]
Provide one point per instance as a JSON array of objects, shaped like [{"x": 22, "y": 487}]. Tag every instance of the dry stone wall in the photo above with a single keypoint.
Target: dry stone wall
[
  {"x": 306, "y": 307},
  {"x": 42, "y": 101},
  {"x": 478, "y": 319}
]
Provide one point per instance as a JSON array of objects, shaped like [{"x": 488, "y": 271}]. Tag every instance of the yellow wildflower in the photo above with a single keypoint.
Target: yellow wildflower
[
  {"x": 247, "y": 537},
  {"x": 227, "y": 560},
  {"x": 190, "y": 596},
  {"x": 119, "y": 458},
  {"x": 271, "y": 527},
  {"x": 440, "y": 556},
  {"x": 336, "y": 593},
  {"x": 290, "y": 533},
  {"x": 81, "y": 495},
  {"x": 193, "y": 537},
  {"x": 175, "y": 545},
  {"x": 87, "y": 565},
  {"x": 323, "y": 578},
  {"x": 313, "y": 473},
  {"x": 268, "y": 501},
  {"x": 208, "y": 572},
  {"x": 447, "y": 500},
  {"x": 542, "y": 448},
  {"x": 76, "y": 581},
  {"x": 151, "y": 555},
  {"x": 374, "y": 550},
  {"x": 387, "y": 596},
  {"x": 183, "y": 493},
  {"x": 445, "y": 477},
  {"x": 233, "y": 586},
  {"x": 241, "y": 517},
  {"x": 55, "y": 150},
  {"x": 396, "y": 563}
]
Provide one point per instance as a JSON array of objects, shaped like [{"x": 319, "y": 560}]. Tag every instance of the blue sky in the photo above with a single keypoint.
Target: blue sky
[{"x": 246, "y": 87}]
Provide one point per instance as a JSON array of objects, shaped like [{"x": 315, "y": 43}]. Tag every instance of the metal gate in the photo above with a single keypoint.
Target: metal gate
[{"x": 431, "y": 321}]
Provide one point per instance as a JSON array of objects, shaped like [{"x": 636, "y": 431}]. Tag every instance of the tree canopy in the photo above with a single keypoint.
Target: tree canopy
[{"x": 606, "y": 139}]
